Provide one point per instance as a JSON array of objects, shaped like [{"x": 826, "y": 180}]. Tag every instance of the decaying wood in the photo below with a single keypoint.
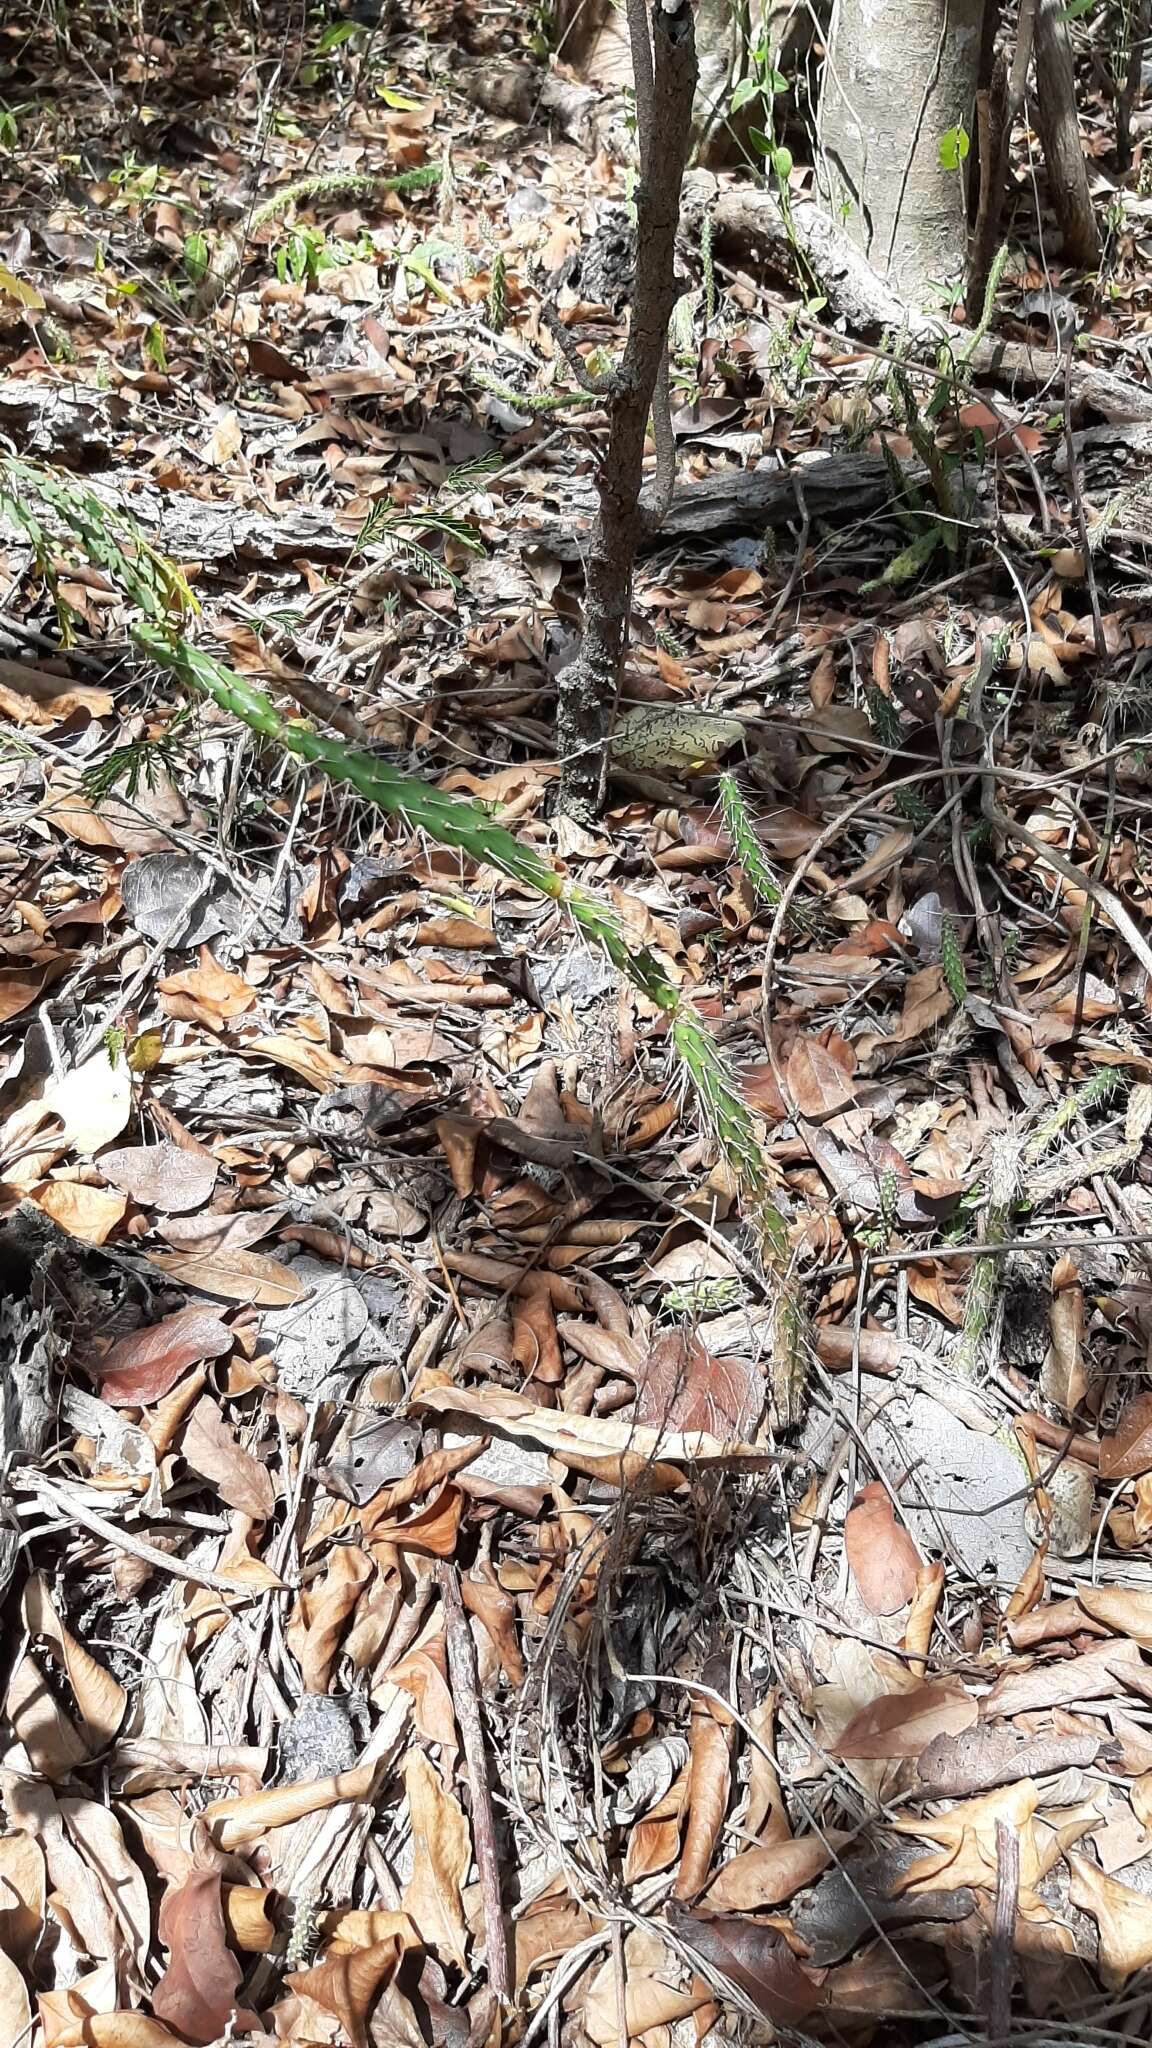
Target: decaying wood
[{"x": 750, "y": 223}]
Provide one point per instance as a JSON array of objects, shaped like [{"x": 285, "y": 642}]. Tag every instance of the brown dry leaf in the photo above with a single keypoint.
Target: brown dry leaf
[
  {"x": 904, "y": 1723},
  {"x": 496, "y": 1611},
  {"x": 930, "y": 1282},
  {"x": 623, "y": 1452},
  {"x": 819, "y": 1081},
  {"x": 757, "y": 1960},
  {"x": 208, "y": 994},
  {"x": 316, "y": 1064},
  {"x": 55, "y": 1747},
  {"x": 225, "y": 441},
  {"x": 709, "y": 1786},
  {"x": 442, "y": 1857},
  {"x": 1096, "y": 1675},
  {"x": 926, "y": 1003},
  {"x": 325, "y": 1606},
  {"x": 209, "y": 1446},
  {"x": 233, "y": 1276},
  {"x": 423, "y": 1673},
  {"x": 881, "y": 1555},
  {"x": 1127, "y": 1453},
  {"x": 164, "y": 1176},
  {"x": 682, "y": 1386},
  {"x": 551, "y": 1925},
  {"x": 789, "y": 833},
  {"x": 765, "y": 1815},
  {"x": 235, "y": 1823},
  {"x": 197, "y": 1992},
  {"x": 100, "y": 1700},
  {"x": 348, "y": 1983},
  {"x": 433, "y": 1529},
  {"x": 88, "y": 1214},
  {"x": 97, "y": 1837},
  {"x": 1123, "y": 1917},
  {"x": 1122, "y": 1608},
  {"x": 967, "y": 1833},
  {"x": 770, "y": 1875},
  {"x": 24, "y": 985},
  {"x": 1063, "y": 1379},
  {"x": 654, "y": 1995},
  {"x": 922, "y": 1615},
  {"x": 144, "y": 1366},
  {"x": 535, "y": 1344},
  {"x": 114, "y": 2030}
]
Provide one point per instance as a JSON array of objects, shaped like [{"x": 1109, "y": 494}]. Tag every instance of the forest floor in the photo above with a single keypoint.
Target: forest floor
[{"x": 416, "y": 1630}]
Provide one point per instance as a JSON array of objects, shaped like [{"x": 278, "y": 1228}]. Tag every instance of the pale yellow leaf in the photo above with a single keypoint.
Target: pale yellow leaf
[{"x": 442, "y": 1856}]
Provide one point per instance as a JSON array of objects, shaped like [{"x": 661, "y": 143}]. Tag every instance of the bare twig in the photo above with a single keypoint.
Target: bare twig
[
  {"x": 1002, "y": 1963},
  {"x": 466, "y": 1702}
]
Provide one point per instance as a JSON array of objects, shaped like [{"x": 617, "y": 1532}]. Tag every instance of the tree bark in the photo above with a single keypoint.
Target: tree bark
[
  {"x": 587, "y": 689},
  {"x": 1059, "y": 132},
  {"x": 1003, "y": 108},
  {"x": 900, "y": 75}
]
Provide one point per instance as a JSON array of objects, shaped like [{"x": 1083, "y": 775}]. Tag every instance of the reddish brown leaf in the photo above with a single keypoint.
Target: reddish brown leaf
[
  {"x": 197, "y": 1993},
  {"x": 757, "y": 1960},
  {"x": 1128, "y": 1452},
  {"x": 681, "y": 1386},
  {"x": 142, "y": 1367},
  {"x": 881, "y": 1554}
]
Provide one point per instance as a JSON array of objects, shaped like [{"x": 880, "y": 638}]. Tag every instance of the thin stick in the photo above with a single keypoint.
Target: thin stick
[
  {"x": 1002, "y": 1960},
  {"x": 466, "y": 1702},
  {"x": 65, "y": 1499}
]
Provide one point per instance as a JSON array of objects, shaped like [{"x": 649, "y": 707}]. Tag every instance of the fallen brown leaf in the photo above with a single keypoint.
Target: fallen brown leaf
[
  {"x": 882, "y": 1557},
  {"x": 209, "y": 1446},
  {"x": 143, "y": 1366}
]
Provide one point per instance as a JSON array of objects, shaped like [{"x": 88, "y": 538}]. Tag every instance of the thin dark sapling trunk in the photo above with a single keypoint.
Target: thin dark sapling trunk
[
  {"x": 1056, "y": 119},
  {"x": 664, "y": 56},
  {"x": 1002, "y": 111}
]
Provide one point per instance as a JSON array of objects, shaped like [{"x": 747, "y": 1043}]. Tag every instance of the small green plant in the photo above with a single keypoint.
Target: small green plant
[
  {"x": 154, "y": 349},
  {"x": 134, "y": 181},
  {"x": 952, "y": 962},
  {"x": 304, "y": 253},
  {"x": 9, "y": 129},
  {"x": 399, "y": 532},
  {"x": 954, "y": 146},
  {"x": 139, "y": 764},
  {"x": 195, "y": 256}
]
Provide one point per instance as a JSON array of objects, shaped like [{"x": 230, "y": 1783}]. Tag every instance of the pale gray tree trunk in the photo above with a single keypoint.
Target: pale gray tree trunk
[{"x": 900, "y": 76}]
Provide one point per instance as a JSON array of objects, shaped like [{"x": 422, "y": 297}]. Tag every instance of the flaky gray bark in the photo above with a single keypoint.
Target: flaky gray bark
[
  {"x": 587, "y": 689},
  {"x": 900, "y": 75}
]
